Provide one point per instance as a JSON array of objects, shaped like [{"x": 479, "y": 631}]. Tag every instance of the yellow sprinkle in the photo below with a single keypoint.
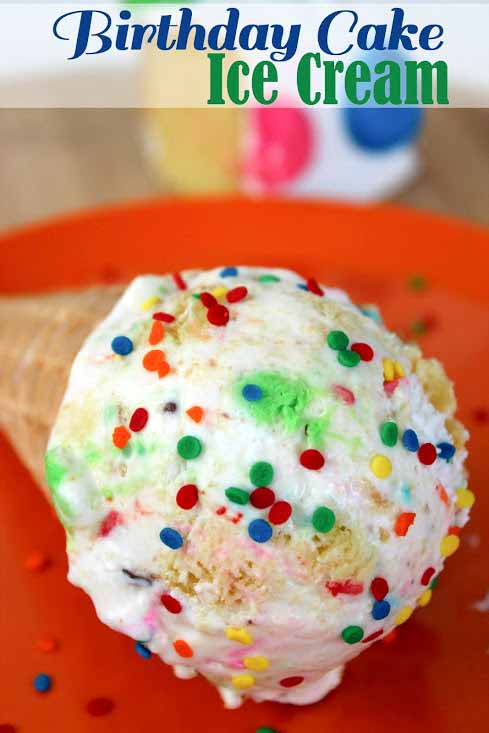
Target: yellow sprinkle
[
  {"x": 425, "y": 598},
  {"x": 449, "y": 544},
  {"x": 243, "y": 681},
  {"x": 403, "y": 615},
  {"x": 389, "y": 373},
  {"x": 465, "y": 498},
  {"x": 150, "y": 302},
  {"x": 381, "y": 466},
  {"x": 257, "y": 664},
  {"x": 219, "y": 292},
  {"x": 241, "y": 635},
  {"x": 399, "y": 370}
]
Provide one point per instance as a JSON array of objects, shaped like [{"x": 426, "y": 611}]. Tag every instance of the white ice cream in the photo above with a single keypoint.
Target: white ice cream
[{"x": 274, "y": 619}]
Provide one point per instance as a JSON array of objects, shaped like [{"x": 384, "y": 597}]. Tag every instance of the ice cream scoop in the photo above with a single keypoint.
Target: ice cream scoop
[{"x": 257, "y": 479}]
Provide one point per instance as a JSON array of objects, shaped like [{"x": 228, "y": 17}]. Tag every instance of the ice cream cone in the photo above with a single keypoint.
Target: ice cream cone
[{"x": 39, "y": 337}]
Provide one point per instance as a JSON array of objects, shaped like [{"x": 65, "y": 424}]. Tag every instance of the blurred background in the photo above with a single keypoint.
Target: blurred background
[{"x": 59, "y": 160}]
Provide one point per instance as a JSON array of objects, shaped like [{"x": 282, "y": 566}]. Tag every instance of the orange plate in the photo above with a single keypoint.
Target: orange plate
[{"x": 433, "y": 676}]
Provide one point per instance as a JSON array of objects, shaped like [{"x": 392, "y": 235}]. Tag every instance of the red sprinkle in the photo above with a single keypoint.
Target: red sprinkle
[
  {"x": 291, "y": 681},
  {"x": 237, "y": 518},
  {"x": 403, "y": 522},
  {"x": 344, "y": 394},
  {"x": 481, "y": 415},
  {"x": 391, "y": 637},
  {"x": 99, "y": 706},
  {"x": 262, "y": 497},
  {"x": 348, "y": 587},
  {"x": 390, "y": 387},
  {"x": 218, "y": 315},
  {"x": 313, "y": 286},
  {"x": 379, "y": 588},
  {"x": 455, "y": 530},
  {"x": 112, "y": 519},
  {"x": 237, "y": 294},
  {"x": 171, "y": 604},
  {"x": 139, "y": 419},
  {"x": 312, "y": 459},
  {"x": 47, "y": 645},
  {"x": 36, "y": 561},
  {"x": 179, "y": 281},
  {"x": 364, "y": 351},
  {"x": 222, "y": 510},
  {"x": 427, "y": 454},
  {"x": 166, "y": 317},
  {"x": 427, "y": 575},
  {"x": 373, "y": 636},
  {"x": 187, "y": 496},
  {"x": 207, "y": 300},
  {"x": 280, "y": 512}
]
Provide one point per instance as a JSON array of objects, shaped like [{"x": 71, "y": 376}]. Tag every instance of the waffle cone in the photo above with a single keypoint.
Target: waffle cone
[{"x": 39, "y": 338}]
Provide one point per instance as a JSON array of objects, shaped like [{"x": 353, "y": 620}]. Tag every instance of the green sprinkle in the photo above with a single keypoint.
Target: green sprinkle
[
  {"x": 337, "y": 340},
  {"x": 352, "y": 634},
  {"x": 268, "y": 279},
  {"x": 196, "y": 296},
  {"x": 189, "y": 447},
  {"x": 417, "y": 282},
  {"x": 261, "y": 474},
  {"x": 323, "y": 519},
  {"x": 389, "y": 433},
  {"x": 434, "y": 582},
  {"x": 348, "y": 358},
  {"x": 418, "y": 327},
  {"x": 237, "y": 496},
  {"x": 266, "y": 729}
]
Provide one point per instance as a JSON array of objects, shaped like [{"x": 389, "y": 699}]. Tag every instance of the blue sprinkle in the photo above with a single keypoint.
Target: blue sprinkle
[
  {"x": 302, "y": 286},
  {"x": 371, "y": 311},
  {"x": 122, "y": 345},
  {"x": 171, "y": 538},
  {"x": 406, "y": 493},
  {"x": 42, "y": 682},
  {"x": 410, "y": 440},
  {"x": 252, "y": 392},
  {"x": 259, "y": 530},
  {"x": 229, "y": 272},
  {"x": 381, "y": 609},
  {"x": 142, "y": 650},
  {"x": 446, "y": 451}
]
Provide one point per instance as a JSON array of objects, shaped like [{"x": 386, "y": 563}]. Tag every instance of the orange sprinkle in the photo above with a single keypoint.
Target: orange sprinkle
[
  {"x": 182, "y": 648},
  {"x": 36, "y": 561},
  {"x": 121, "y": 436},
  {"x": 195, "y": 413},
  {"x": 154, "y": 361},
  {"x": 47, "y": 644},
  {"x": 157, "y": 333},
  {"x": 163, "y": 369},
  {"x": 403, "y": 522},
  {"x": 454, "y": 530},
  {"x": 442, "y": 494}
]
